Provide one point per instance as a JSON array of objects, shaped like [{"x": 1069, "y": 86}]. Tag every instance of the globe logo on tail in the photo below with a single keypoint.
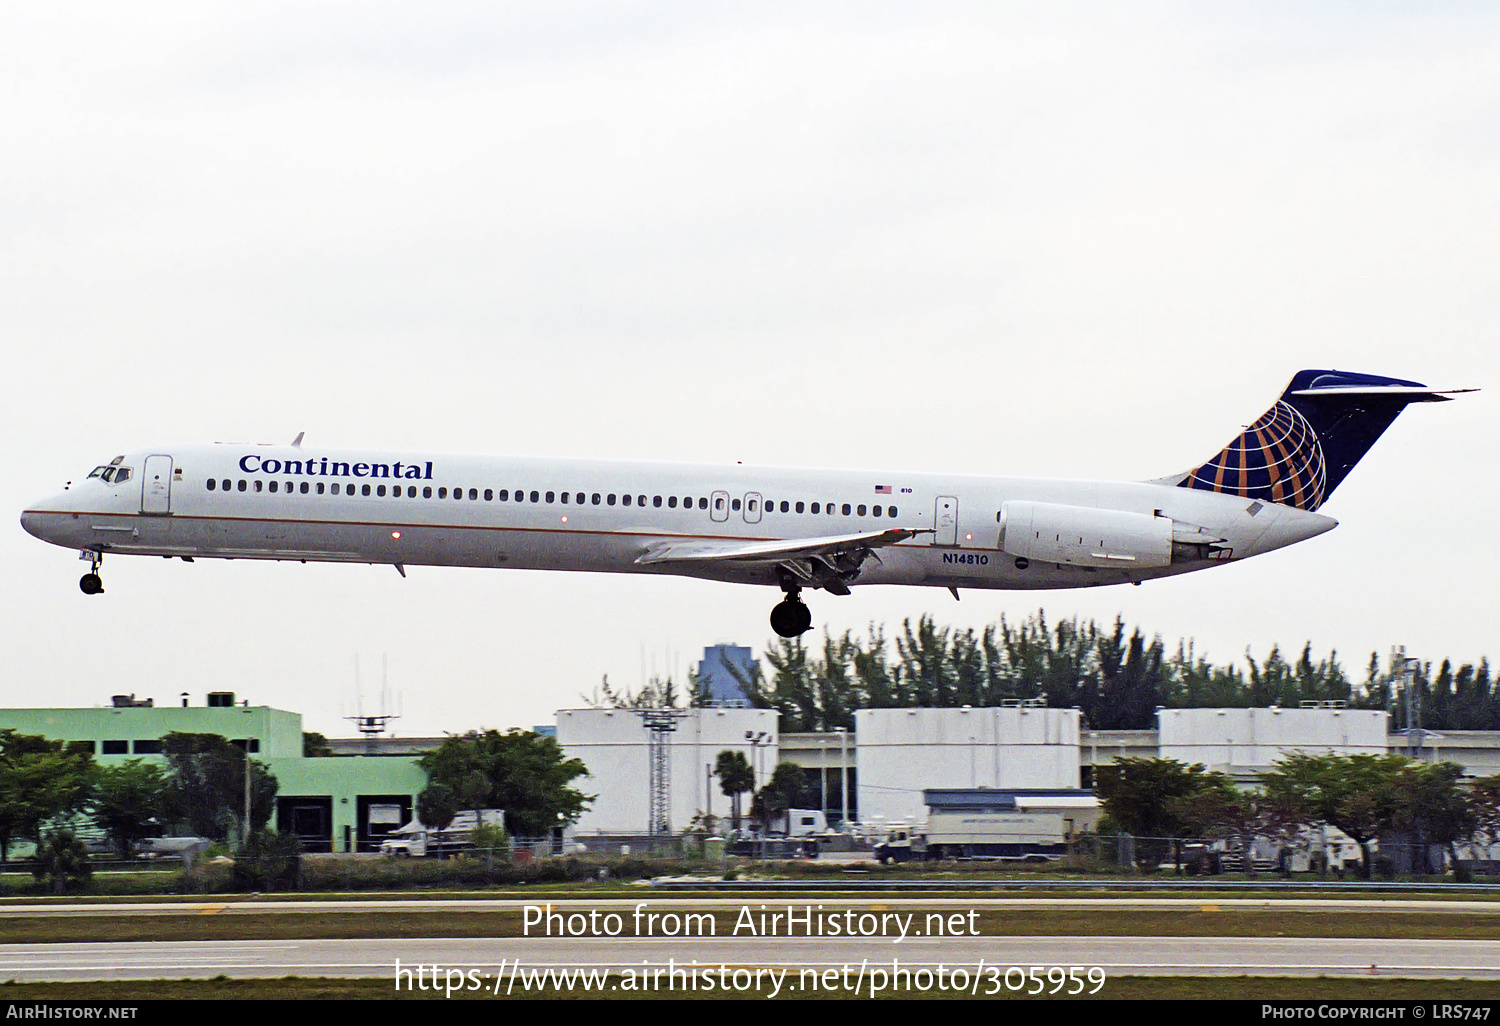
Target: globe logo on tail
[{"x": 1277, "y": 459}]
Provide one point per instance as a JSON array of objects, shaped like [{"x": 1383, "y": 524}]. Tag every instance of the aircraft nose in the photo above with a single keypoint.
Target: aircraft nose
[{"x": 40, "y": 519}]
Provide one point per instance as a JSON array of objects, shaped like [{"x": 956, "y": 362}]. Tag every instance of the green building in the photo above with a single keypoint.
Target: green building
[{"x": 339, "y": 803}]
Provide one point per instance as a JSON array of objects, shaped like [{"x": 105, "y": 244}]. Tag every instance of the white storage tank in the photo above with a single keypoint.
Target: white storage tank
[
  {"x": 1248, "y": 741},
  {"x": 901, "y": 752},
  {"x": 614, "y": 744}
]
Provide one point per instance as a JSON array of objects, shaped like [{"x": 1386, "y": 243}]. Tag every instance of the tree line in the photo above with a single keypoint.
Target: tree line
[
  {"x": 46, "y": 784},
  {"x": 1368, "y": 797},
  {"x": 1115, "y": 675}
]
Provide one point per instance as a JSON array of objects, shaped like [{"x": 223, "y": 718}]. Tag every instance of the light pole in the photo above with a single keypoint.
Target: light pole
[
  {"x": 757, "y": 739},
  {"x": 843, "y": 734},
  {"x": 823, "y": 774}
]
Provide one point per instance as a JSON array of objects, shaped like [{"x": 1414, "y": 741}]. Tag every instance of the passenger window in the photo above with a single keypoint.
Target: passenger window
[
  {"x": 473, "y": 494},
  {"x": 551, "y": 496},
  {"x": 458, "y": 493},
  {"x": 890, "y": 511},
  {"x": 784, "y": 506},
  {"x": 411, "y": 491},
  {"x": 597, "y": 498},
  {"x": 535, "y": 496},
  {"x": 610, "y": 499},
  {"x": 640, "y": 500},
  {"x": 258, "y": 484},
  {"x": 380, "y": 491},
  {"x": 861, "y": 509},
  {"x": 799, "y": 507},
  {"x": 671, "y": 502},
  {"x": 734, "y": 504},
  {"x": 335, "y": 488},
  {"x": 212, "y": 484},
  {"x": 875, "y": 511},
  {"x": 503, "y": 495},
  {"x": 365, "y": 490},
  {"x": 320, "y": 487},
  {"x": 718, "y": 504},
  {"x": 846, "y": 509},
  {"x": 656, "y": 501},
  {"x": 750, "y": 505},
  {"x": 427, "y": 491},
  {"x": 816, "y": 508},
  {"x": 224, "y": 485},
  {"x": 303, "y": 489},
  {"x": 564, "y": 497},
  {"x": 687, "y": 502},
  {"x": 625, "y": 499},
  {"x": 489, "y": 494},
  {"x": 702, "y": 502},
  {"x": 272, "y": 487},
  {"x": 442, "y": 493}
]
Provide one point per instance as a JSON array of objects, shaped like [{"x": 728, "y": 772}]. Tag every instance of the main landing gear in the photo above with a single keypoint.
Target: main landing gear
[
  {"x": 790, "y": 617},
  {"x": 90, "y": 583}
]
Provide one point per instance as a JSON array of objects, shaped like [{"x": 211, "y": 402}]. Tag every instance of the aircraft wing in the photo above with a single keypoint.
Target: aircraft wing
[{"x": 776, "y": 550}]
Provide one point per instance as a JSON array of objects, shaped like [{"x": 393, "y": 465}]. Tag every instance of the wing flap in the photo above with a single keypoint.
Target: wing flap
[{"x": 776, "y": 550}]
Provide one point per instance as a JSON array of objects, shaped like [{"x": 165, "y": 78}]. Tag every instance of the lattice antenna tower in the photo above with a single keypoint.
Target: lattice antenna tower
[{"x": 659, "y": 724}]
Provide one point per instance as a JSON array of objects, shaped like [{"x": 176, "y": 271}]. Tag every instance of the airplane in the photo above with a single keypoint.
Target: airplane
[{"x": 784, "y": 528}]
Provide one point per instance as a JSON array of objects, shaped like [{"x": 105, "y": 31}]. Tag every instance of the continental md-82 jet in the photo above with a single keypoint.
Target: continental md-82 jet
[{"x": 783, "y": 528}]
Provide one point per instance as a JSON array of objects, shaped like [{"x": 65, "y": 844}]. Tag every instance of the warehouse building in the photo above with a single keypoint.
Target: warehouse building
[{"x": 338, "y": 804}]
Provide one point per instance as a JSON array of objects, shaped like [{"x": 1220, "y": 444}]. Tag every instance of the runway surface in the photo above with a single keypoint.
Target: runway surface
[
  {"x": 1150, "y": 956},
  {"x": 487, "y": 957}
]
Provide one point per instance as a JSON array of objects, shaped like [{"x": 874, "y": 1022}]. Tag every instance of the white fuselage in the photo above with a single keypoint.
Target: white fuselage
[{"x": 312, "y": 503}]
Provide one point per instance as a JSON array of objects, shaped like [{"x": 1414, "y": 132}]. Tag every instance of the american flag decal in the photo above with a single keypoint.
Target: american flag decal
[{"x": 882, "y": 489}]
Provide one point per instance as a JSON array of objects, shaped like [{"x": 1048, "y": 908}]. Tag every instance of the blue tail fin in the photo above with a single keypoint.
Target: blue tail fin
[{"x": 1299, "y": 451}]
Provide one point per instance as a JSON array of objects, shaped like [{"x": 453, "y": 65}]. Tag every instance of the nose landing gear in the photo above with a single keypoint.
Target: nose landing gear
[
  {"x": 90, "y": 583},
  {"x": 790, "y": 617}
]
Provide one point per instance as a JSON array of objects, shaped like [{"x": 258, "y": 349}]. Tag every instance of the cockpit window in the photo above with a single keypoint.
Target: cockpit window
[{"x": 112, "y": 471}]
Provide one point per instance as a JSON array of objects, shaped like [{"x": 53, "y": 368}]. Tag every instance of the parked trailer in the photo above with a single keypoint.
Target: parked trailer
[{"x": 1016, "y": 836}]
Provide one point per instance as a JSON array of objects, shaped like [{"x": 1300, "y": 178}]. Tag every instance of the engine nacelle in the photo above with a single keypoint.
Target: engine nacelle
[{"x": 1080, "y": 536}]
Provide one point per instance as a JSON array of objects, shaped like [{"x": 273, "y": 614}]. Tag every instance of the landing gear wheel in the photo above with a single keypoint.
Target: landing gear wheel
[
  {"x": 790, "y": 618},
  {"x": 91, "y": 584}
]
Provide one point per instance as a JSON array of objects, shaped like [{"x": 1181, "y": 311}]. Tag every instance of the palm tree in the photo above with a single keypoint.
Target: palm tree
[{"x": 735, "y": 778}]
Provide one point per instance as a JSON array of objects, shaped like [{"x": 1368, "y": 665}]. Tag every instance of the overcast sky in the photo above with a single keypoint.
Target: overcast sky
[{"x": 1071, "y": 240}]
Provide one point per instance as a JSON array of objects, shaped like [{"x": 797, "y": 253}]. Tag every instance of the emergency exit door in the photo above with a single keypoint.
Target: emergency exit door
[
  {"x": 156, "y": 485},
  {"x": 945, "y": 519}
]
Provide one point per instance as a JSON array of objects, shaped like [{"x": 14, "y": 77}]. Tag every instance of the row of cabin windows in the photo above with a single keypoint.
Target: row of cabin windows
[
  {"x": 144, "y": 746},
  {"x": 565, "y": 498}
]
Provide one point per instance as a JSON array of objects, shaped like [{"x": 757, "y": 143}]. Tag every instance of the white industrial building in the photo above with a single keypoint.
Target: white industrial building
[
  {"x": 615, "y": 746},
  {"x": 893, "y": 755},
  {"x": 901, "y": 752},
  {"x": 1246, "y": 742}
]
